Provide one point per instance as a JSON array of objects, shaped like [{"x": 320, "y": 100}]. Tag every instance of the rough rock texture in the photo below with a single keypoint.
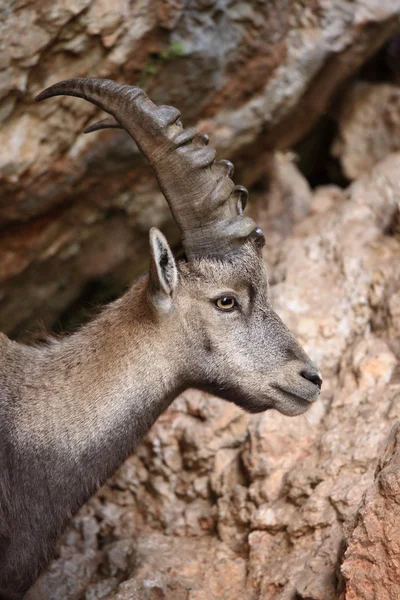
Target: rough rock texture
[
  {"x": 76, "y": 208},
  {"x": 266, "y": 497},
  {"x": 369, "y": 126},
  {"x": 371, "y": 564}
]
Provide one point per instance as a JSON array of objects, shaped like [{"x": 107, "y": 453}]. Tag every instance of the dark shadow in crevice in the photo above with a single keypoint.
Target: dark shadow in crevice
[
  {"x": 315, "y": 160},
  {"x": 384, "y": 66}
]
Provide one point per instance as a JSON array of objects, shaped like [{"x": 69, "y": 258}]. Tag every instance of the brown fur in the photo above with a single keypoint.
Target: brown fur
[{"x": 71, "y": 411}]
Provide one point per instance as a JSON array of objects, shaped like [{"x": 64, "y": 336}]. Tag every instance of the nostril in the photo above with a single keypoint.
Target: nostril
[{"x": 312, "y": 376}]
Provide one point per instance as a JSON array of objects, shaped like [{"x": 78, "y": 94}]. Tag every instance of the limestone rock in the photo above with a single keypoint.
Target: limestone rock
[
  {"x": 208, "y": 571},
  {"x": 369, "y": 126},
  {"x": 371, "y": 563}
]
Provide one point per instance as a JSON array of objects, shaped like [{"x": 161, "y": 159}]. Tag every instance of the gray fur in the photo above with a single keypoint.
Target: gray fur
[{"x": 72, "y": 410}]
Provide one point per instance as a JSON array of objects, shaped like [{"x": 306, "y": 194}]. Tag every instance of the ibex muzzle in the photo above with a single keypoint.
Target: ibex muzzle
[{"x": 73, "y": 410}]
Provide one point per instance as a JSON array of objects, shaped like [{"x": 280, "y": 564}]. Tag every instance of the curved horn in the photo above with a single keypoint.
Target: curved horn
[{"x": 202, "y": 198}]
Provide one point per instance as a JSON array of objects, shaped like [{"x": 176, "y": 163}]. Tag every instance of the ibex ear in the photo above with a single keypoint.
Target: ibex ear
[{"x": 163, "y": 274}]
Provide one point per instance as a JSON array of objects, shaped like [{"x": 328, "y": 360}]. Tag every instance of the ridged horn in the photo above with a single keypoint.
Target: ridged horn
[{"x": 202, "y": 197}]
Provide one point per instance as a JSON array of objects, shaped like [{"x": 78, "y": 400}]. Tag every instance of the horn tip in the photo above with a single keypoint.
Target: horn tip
[
  {"x": 91, "y": 128},
  {"x": 52, "y": 90},
  {"x": 41, "y": 96},
  {"x": 109, "y": 123},
  {"x": 60, "y": 88}
]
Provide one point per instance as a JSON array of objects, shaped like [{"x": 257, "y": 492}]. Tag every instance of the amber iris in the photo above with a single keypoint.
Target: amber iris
[{"x": 226, "y": 303}]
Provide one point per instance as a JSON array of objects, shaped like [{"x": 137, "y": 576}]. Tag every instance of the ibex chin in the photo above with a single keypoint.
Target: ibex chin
[{"x": 73, "y": 409}]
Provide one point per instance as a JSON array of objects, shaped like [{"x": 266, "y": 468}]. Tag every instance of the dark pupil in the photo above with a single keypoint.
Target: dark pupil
[{"x": 226, "y": 301}]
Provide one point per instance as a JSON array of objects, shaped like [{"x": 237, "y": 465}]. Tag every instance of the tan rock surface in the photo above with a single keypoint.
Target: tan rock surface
[
  {"x": 369, "y": 126},
  {"x": 371, "y": 565}
]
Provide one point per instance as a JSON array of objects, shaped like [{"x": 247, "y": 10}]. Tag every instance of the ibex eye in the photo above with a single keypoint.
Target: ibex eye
[{"x": 226, "y": 303}]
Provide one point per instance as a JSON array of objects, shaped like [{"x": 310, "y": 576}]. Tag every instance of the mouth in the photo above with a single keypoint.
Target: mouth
[
  {"x": 287, "y": 403},
  {"x": 293, "y": 403},
  {"x": 290, "y": 395}
]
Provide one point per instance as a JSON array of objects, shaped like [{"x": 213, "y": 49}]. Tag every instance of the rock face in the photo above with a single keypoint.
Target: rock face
[
  {"x": 74, "y": 208},
  {"x": 371, "y": 564},
  {"x": 217, "y": 504},
  {"x": 369, "y": 126}
]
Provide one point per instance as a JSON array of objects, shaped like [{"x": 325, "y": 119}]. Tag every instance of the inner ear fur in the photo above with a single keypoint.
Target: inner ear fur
[{"x": 163, "y": 274}]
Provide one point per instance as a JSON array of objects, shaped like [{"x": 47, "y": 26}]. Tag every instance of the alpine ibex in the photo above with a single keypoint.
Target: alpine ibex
[{"x": 73, "y": 409}]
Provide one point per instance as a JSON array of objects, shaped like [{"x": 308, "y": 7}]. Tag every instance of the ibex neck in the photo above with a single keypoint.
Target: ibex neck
[{"x": 91, "y": 397}]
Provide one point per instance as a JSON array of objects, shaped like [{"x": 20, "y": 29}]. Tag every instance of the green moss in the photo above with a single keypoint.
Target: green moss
[
  {"x": 174, "y": 50},
  {"x": 151, "y": 69}
]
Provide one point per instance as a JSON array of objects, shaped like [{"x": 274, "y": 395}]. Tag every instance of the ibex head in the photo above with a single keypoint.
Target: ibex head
[
  {"x": 212, "y": 307},
  {"x": 233, "y": 344}
]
